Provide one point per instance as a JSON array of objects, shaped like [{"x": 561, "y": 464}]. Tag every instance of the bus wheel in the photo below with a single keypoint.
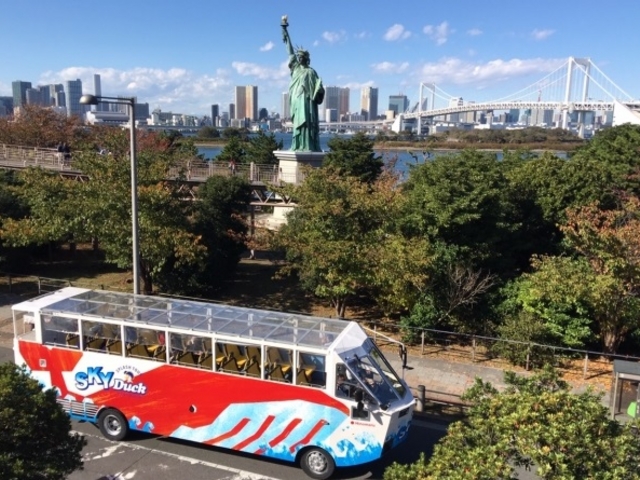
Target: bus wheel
[
  {"x": 317, "y": 463},
  {"x": 113, "y": 425}
]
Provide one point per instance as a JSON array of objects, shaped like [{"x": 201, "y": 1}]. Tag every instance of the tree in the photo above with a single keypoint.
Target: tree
[
  {"x": 341, "y": 232},
  {"x": 260, "y": 147},
  {"x": 36, "y": 442},
  {"x": 101, "y": 207},
  {"x": 40, "y": 127},
  {"x": 233, "y": 150},
  {"x": 219, "y": 223},
  {"x": 208, "y": 132},
  {"x": 355, "y": 157},
  {"x": 536, "y": 423}
]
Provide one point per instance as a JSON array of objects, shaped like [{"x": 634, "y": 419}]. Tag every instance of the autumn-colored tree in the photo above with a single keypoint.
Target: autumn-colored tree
[{"x": 40, "y": 127}]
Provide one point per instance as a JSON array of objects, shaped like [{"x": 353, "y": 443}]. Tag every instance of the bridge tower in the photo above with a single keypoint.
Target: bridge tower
[
  {"x": 583, "y": 65},
  {"x": 431, "y": 87}
]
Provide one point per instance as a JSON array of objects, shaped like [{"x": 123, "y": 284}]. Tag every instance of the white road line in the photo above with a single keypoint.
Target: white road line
[{"x": 239, "y": 474}]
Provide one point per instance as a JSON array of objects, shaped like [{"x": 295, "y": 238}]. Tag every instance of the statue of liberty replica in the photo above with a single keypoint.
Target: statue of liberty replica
[{"x": 305, "y": 94}]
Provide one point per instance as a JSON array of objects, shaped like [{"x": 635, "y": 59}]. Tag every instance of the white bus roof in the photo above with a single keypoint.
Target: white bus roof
[{"x": 196, "y": 316}]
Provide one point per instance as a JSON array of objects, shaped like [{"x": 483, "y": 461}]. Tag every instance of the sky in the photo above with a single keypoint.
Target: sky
[{"x": 185, "y": 56}]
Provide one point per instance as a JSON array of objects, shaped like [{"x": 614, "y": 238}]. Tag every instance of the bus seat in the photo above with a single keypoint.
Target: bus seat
[
  {"x": 137, "y": 350},
  {"x": 302, "y": 378},
  {"x": 73, "y": 340},
  {"x": 253, "y": 369},
  {"x": 230, "y": 366},
  {"x": 221, "y": 354},
  {"x": 95, "y": 343},
  {"x": 233, "y": 350},
  {"x": 187, "y": 358},
  {"x": 253, "y": 353},
  {"x": 157, "y": 352},
  {"x": 206, "y": 361},
  {"x": 115, "y": 347},
  {"x": 277, "y": 374}
]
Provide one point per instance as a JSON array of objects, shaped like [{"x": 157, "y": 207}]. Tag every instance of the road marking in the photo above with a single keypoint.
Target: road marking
[{"x": 239, "y": 474}]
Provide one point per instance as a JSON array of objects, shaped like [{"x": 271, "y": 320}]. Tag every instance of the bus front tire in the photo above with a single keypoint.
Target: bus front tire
[
  {"x": 113, "y": 425},
  {"x": 317, "y": 463}
]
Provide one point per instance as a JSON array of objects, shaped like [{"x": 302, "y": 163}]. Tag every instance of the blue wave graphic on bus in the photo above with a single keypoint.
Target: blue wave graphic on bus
[
  {"x": 135, "y": 422},
  {"x": 280, "y": 429}
]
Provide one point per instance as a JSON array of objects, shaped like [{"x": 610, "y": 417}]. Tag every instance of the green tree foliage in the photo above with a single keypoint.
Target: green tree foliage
[
  {"x": 208, "y": 132},
  {"x": 36, "y": 442},
  {"x": 219, "y": 223},
  {"x": 354, "y": 157},
  {"x": 260, "y": 147},
  {"x": 536, "y": 423},
  {"x": 101, "y": 207},
  {"x": 233, "y": 150},
  {"x": 340, "y": 234}
]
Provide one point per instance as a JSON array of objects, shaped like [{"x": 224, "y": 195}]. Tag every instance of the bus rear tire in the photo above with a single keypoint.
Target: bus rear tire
[
  {"x": 317, "y": 463},
  {"x": 113, "y": 425}
]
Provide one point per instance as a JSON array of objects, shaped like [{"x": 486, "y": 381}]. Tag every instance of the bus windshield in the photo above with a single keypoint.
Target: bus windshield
[
  {"x": 385, "y": 368},
  {"x": 377, "y": 381}
]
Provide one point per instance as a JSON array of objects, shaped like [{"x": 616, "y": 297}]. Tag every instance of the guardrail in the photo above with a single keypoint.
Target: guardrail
[{"x": 193, "y": 169}]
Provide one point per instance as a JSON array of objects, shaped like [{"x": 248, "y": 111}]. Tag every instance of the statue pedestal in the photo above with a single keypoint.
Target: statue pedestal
[{"x": 291, "y": 164}]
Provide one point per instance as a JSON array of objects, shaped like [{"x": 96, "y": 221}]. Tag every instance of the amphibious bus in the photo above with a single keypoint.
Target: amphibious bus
[{"x": 311, "y": 390}]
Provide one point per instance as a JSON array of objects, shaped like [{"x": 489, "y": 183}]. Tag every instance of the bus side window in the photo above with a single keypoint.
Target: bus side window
[
  {"x": 311, "y": 370},
  {"x": 59, "y": 330}
]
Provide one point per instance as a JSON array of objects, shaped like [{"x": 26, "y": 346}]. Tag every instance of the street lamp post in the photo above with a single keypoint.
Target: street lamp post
[{"x": 131, "y": 102}]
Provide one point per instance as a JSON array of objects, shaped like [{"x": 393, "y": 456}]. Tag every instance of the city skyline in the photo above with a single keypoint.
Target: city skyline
[{"x": 186, "y": 59}]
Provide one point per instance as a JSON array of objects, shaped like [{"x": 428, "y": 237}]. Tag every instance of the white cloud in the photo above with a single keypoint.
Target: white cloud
[
  {"x": 474, "y": 32},
  {"x": 390, "y": 67},
  {"x": 362, "y": 35},
  {"x": 541, "y": 34},
  {"x": 333, "y": 37},
  {"x": 266, "y": 47},
  {"x": 171, "y": 89},
  {"x": 396, "y": 32},
  {"x": 459, "y": 72},
  {"x": 260, "y": 72},
  {"x": 438, "y": 33}
]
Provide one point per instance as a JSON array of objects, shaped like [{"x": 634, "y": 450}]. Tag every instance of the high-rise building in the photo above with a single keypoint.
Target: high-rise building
[
  {"x": 286, "y": 109},
  {"x": 240, "y": 102},
  {"x": 215, "y": 114},
  {"x": 97, "y": 91},
  {"x": 56, "y": 93},
  {"x": 20, "y": 93},
  {"x": 6, "y": 106},
  {"x": 336, "y": 98},
  {"x": 398, "y": 103},
  {"x": 34, "y": 97},
  {"x": 246, "y": 98},
  {"x": 232, "y": 111},
  {"x": 252, "y": 102},
  {"x": 369, "y": 102},
  {"x": 73, "y": 92}
]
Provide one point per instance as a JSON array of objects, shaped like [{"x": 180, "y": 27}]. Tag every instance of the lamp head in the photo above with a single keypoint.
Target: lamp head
[{"x": 89, "y": 100}]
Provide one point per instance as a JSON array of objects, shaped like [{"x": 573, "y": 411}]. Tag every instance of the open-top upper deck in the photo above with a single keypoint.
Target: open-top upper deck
[{"x": 192, "y": 316}]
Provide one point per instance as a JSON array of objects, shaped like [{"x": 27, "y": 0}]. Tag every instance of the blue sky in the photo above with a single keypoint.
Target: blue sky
[{"x": 185, "y": 56}]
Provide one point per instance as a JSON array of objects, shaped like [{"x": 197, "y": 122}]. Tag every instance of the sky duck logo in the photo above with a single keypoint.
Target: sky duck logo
[{"x": 122, "y": 379}]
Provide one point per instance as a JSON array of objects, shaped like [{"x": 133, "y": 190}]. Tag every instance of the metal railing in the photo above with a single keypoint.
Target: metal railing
[{"x": 193, "y": 169}]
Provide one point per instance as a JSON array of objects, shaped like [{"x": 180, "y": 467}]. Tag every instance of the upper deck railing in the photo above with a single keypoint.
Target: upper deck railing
[{"x": 194, "y": 169}]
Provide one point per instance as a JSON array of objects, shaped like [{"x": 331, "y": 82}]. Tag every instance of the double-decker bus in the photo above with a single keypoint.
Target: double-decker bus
[{"x": 311, "y": 390}]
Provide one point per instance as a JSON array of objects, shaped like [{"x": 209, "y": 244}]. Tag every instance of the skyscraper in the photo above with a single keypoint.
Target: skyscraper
[
  {"x": 215, "y": 113},
  {"x": 369, "y": 102},
  {"x": 398, "y": 103},
  {"x": 336, "y": 98},
  {"x": 56, "y": 92},
  {"x": 241, "y": 103},
  {"x": 232, "y": 111},
  {"x": 73, "y": 92},
  {"x": 246, "y": 98},
  {"x": 20, "y": 93},
  {"x": 286, "y": 110},
  {"x": 97, "y": 91}
]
